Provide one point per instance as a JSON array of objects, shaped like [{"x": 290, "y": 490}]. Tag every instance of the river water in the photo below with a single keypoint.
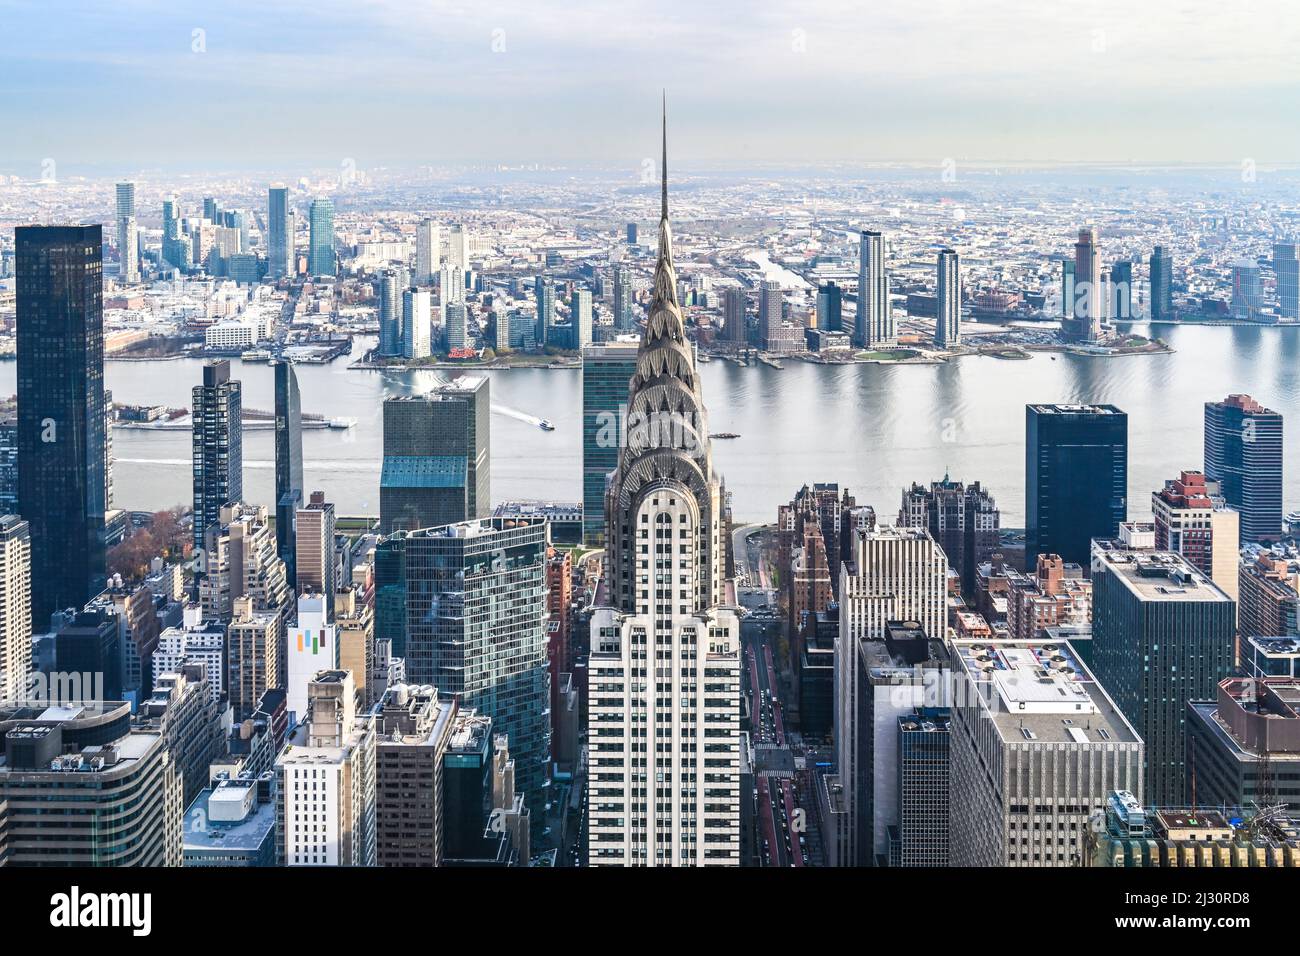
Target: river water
[{"x": 870, "y": 428}]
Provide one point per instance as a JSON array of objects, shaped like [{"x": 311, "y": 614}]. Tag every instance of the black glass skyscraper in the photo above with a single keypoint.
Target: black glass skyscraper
[
  {"x": 830, "y": 308},
  {"x": 1076, "y": 478},
  {"x": 218, "y": 446},
  {"x": 1121, "y": 291},
  {"x": 288, "y": 462},
  {"x": 61, "y": 422},
  {"x": 1162, "y": 293}
]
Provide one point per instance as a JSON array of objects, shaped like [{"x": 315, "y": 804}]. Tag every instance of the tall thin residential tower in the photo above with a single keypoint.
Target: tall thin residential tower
[
  {"x": 288, "y": 462},
  {"x": 128, "y": 249},
  {"x": 218, "y": 455},
  {"x": 875, "y": 323},
  {"x": 279, "y": 244},
  {"x": 947, "y": 321}
]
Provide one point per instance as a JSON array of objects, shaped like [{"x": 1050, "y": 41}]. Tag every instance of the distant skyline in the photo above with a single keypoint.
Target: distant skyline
[{"x": 249, "y": 85}]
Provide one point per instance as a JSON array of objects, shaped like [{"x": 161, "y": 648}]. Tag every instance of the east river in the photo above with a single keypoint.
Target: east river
[{"x": 872, "y": 428}]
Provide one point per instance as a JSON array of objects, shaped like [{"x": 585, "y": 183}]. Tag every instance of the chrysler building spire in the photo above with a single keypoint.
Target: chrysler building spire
[
  {"x": 663, "y": 166},
  {"x": 666, "y": 442}
]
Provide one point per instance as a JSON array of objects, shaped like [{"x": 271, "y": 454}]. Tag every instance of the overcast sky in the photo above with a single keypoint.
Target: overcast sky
[{"x": 234, "y": 83}]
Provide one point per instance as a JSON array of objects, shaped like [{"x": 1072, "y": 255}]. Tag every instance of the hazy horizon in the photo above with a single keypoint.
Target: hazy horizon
[{"x": 145, "y": 84}]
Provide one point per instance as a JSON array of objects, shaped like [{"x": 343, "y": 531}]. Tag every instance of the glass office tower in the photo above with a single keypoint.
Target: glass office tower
[
  {"x": 475, "y": 616},
  {"x": 1076, "y": 478},
  {"x": 607, "y": 369},
  {"x": 61, "y": 422}
]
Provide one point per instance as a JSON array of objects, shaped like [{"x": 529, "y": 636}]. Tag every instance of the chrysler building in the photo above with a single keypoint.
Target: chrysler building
[{"x": 664, "y": 712}]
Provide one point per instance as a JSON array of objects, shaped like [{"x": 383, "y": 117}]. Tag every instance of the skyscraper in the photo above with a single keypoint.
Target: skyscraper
[
  {"x": 66, "y": 810},
  {"x": 417, "y": 330},
  {"x": 1037, "y": 744},
  {"x": 947, "y": 322},
  {"x": 175, "y": 247},
  {"x": 1084, "y": 324},
  {"x": 61, "y": 440},
  {"x": 1076, "y": 478},
  {"x": 1162, "y": 290},
  {"x": 414, "y": 726},
  {"x": 1193, "y": 521},
  {"x": 1243, "y": 453},
  {"x": 1121, "y": 291},
  {"x": 664, "y": 783},
  {"x": 545, "y": 290},
  {"x": 455, "y": 321},
  {"x": 623, "y": 293},
  {"x": 451, "y": 284},
  {"x": 437, "y": 467},
  {"x": 279, "y": 241},
  {"x": 428, "y": 255},
  {"x": 1247, "y": 297},
  {"x": 320, "y": 255},
  {"x": 458, "y": 247},
  {"x": 15, "y": 608},
  {"x": 580, "y": 318},
  {"x": 924, "y": 789},
  {"x": 218, "y": 445},
  {"x": 771, "y": 302},
  {"x": 607, "y": 368},
  {"x": 311, "y": 646},
  {"x": 1162, "y": 635},
  {"x": 288, "y": 461},
  {"x": 880, "y": 675},
  {"x": 733, "y": 308},
  {"x": 327, "y": 774},
  {"x": 874, "y": 326},
  {"x": 830, "y": 308},
  {"x": 1067, "y": 293},
  {"x": 392, "y": 283},
  {"x": 128, "y": 249},
  {"x": 475, "y": 625},
  {"x": 1286, "y": 267},
  {"x": 964, "y": 520},
  {"x": 315, "y": 550}
]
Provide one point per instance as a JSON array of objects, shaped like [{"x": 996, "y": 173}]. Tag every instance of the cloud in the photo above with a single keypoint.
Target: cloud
[{"x": 564, "y": 80}]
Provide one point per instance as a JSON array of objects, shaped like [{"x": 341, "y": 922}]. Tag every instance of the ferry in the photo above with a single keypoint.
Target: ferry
[{"x": 545, "y": 425}]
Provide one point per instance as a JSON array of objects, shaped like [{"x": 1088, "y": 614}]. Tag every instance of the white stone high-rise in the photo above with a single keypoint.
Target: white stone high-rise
[
  {"x": 428, "y": 257},
  {"x": 416, "y": 323},
  {"x": 664, "y": 712},
  {"x": 458, "y": 247},
  {"x": 900, "y": 575},
  {"x": 326, "y": 780},
  {"x": 874, "y": 325},
  {"x": 451, "y": 284},
  {"x": 15, "y": 608}
]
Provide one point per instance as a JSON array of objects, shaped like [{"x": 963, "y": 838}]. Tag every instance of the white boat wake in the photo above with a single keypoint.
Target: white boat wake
[{"x": 516, "y": 414}]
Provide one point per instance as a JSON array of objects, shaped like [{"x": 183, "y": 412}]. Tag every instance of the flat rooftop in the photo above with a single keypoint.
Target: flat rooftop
[
  {"x": 1063, "y": 409},
  {"x": 1158, "y": 575},
  {"x": 1041, "y": 691},
  {"x": 247, "y": 835}
]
